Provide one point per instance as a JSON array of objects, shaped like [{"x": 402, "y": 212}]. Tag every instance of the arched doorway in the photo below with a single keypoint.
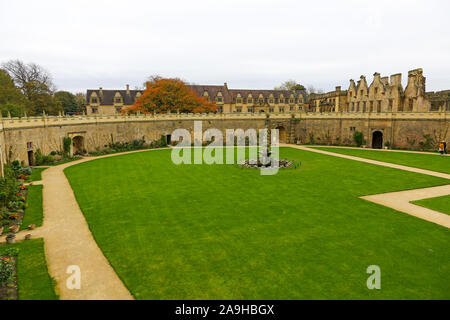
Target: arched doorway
[
  {"x": 282, "y": 134},
  {"x": 30, "y": 158},
  {"x": 377, "y": 140},
  {"x": 78, "y": 145}
]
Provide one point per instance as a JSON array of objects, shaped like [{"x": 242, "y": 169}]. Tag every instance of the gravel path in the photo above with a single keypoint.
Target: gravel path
[{"x": 400, "y": 201}]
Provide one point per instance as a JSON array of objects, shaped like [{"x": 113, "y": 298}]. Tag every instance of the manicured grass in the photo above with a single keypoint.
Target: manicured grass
[
  {"x": 33, "y": 280},
  {"x": 36, "y": 174},
  {"x": 423, "y": 161},
  {"x": 441, "y": 204},
  {"x": 224, "y": 232},
  {"x": 34, "y": 213}
]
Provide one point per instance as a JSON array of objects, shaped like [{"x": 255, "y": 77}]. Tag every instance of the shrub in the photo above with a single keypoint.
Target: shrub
[
  {"x": 41, "y": 159},
  {"x": 8, "y": 187},
  {"x": 387, "y": 144},
  {"x": 163, "y": 141},
  {"x": 428, "y": 143},
  {"x": 25, "y": 170},
  {"x": 67, "y": 142},
  {"x": 358, "y": 137},
  {"x": 6, "y": 270},
  {"x": 12, "y": 252}
]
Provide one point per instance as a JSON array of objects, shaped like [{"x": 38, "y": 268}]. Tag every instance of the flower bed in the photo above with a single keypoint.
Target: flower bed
[
  {"x": 8, "y": 278},
  {"x": 13, "y": 197}
]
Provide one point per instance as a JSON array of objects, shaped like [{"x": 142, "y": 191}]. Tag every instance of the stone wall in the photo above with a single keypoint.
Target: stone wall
[
  {"x": 21, "y": 136},
  {"x": 2, "y": 149}
]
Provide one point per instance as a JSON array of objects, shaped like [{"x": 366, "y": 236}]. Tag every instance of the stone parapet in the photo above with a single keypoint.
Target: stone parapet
[{"x": 31, "y": 122}]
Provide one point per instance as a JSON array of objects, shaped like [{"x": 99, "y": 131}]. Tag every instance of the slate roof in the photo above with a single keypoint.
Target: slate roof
[
  {"x": 107, "y": 96},
  {"x": 229, "y": 95}
]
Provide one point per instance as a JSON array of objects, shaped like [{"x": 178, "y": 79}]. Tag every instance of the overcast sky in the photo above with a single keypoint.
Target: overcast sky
[{"x": 248, "y": 44}]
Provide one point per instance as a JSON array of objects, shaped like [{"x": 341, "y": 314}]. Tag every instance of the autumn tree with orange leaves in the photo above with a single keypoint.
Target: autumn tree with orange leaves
[{"x": 163, "y": 95}]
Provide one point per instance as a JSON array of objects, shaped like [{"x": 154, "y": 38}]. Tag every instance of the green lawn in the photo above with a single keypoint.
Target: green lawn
[
  {"x": 34, "y": 282},
  {"x": 223, "y": 232},
  {"x": 423, "y": 161},
  {"x": 34, "y": 213},
  {"x": 441, "y": 204},
  {"x": 36, "y": 174}
]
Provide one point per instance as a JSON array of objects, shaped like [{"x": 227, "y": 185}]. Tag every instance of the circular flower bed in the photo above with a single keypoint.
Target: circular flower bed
[{"x": 282, "y": 164}]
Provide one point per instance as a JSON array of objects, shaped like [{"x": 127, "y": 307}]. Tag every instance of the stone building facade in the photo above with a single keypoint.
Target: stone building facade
[
  {"x": 253, "y": 100},
  {"x": 384, "y": 94},
  {"x": 110, "y": 102}
]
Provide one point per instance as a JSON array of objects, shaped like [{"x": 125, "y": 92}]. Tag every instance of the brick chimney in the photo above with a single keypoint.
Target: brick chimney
[
  {"x": 101, "y": 91},
  {"x": 128, "y": 89}
]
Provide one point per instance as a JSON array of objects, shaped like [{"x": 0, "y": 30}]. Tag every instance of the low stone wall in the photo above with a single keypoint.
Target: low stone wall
[{"x": 21, "y": 136}]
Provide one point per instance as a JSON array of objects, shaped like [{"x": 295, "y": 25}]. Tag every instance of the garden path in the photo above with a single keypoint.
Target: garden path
[
  {"x": 69, "y": 242},
  {"x": 400, "y": 201},
  {"x": 383, "y": 150}
]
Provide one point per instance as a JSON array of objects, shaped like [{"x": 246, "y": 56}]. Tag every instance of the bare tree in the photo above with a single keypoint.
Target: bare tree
[
  {"x": 290, "y": 85},
  {"x": 24, "y": 74},
  {"x": 80, "y": 97},
  {"x": 311, "y": 90}
]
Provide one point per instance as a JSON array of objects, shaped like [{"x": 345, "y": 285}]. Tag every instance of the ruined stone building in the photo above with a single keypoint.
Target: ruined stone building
[{"x": 384, "y": 94}]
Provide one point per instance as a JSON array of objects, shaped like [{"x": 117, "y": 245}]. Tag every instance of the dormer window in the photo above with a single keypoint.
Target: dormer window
[
  {"x": 94, "y": 100},
  {"x": 239, "y": 100},
  {"x": 219, "y": 99},
  {"x": 117, "y": 98},
  {"x": 249, "y": 100}
]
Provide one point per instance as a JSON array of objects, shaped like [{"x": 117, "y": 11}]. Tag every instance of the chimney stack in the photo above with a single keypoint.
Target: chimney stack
[
  {"x": 101, "y": 92},
  {"x": 396, "y": 79},
  {"x": 128, "y": 89},
  {"x": 338, "y": 88}
]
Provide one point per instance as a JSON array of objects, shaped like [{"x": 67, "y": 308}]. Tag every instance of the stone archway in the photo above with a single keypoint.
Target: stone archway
[
  {"x": 78, "y": 144},
  {"x": 282, "y": 134},
  {"x": 377, "y": 140}
]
